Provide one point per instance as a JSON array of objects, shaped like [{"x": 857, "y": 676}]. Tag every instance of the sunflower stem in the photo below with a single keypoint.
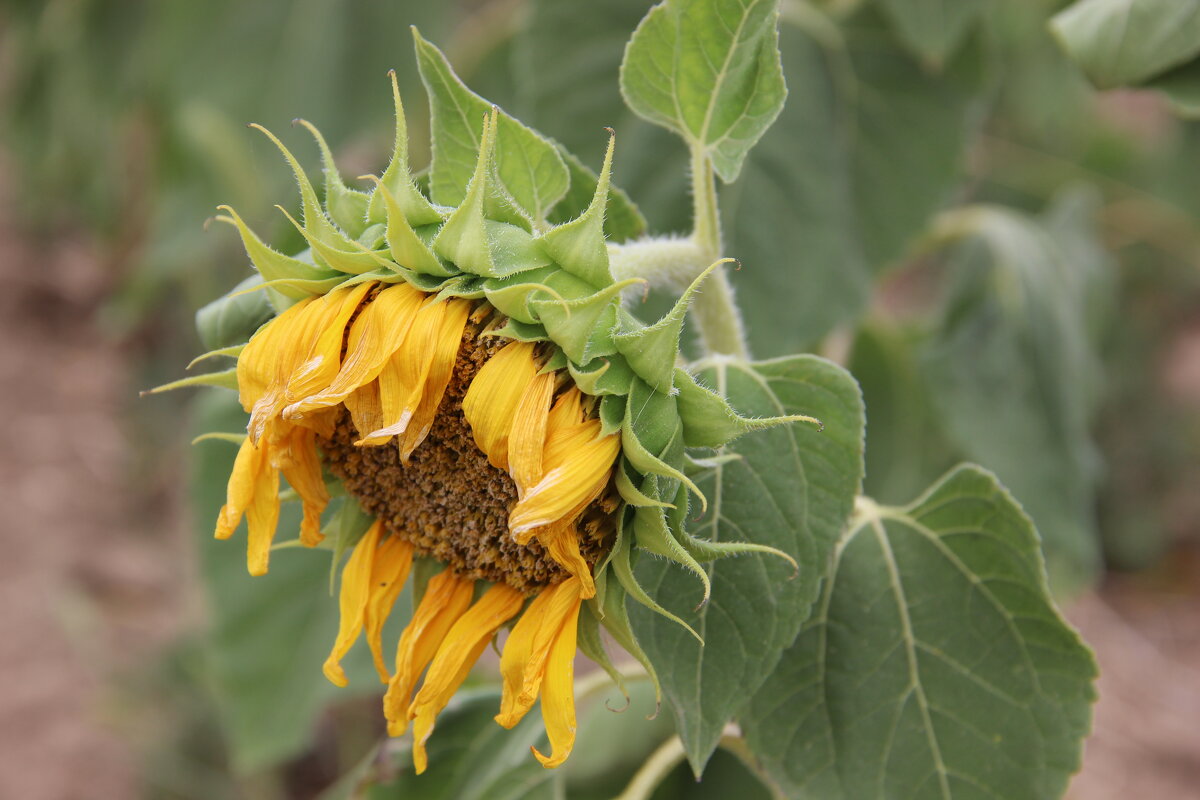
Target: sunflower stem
[
  {"x": 715, "y": 313},
  {"x": 668, "y": 756}
]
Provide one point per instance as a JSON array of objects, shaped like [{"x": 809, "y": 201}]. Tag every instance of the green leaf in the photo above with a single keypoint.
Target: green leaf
[
  {"x": 528, "y": 165},
  {"x": 792, "y": 488},
  {"x": 1127, "y": 42},
  {"x": 936, "y": 664},
  {"x": 708, "y": 70},
  {"x": 267, "y": 636},
  {"x": 933, "y": 28},
  {"x": 1013, "y": 371}
]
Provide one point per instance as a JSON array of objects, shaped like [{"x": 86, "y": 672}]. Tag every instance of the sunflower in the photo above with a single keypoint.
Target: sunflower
[{"x": 465, "y": 372}]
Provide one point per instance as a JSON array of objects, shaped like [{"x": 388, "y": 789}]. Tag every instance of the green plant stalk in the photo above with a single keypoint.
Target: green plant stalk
[{"x": 714, "y": 311}]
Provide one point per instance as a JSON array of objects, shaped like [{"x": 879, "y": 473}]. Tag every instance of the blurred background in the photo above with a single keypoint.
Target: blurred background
[{"x": 1004, "y": 256}]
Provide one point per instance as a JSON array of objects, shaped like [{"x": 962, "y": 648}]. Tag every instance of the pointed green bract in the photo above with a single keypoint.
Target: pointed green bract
[
  {"x": 579, "y": 245},
  {"x": 529, "y": 167},
  {"x": 405, "y": 245},
  {"x": 653, "y": 349},
  {"x": 352, "y": 262},
  {"x": 397, "y": 178},
  {"x": 271, "y": 264},
  {"x": 315, "y": 221},
  {"x": 708, "y": 420},
  {"x": 347, "y": 208}
]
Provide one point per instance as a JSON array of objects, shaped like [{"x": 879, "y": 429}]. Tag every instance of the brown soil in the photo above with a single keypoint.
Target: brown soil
[{"x": 86, "y": 590}]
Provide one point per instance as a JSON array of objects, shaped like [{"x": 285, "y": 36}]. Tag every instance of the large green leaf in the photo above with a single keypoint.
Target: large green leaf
[
  {"x": 933, "y": 28},
  {"x": 1014, "y": 372},
  {"x": 936, "y": 665},
  {"x": 708, "y": 70},
  {"x": 267, "y": 636},
  {"x": 791, "y": 488},
  {"x": 1127, "y": 42}
]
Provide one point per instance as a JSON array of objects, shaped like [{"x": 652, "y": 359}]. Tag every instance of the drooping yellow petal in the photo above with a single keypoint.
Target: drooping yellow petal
[
  {"x": 493, "y": 396},
  {"x": 458, "y": 653},
  {"x": 281, "y": 353},
  {"x": 324, "y": 358},
  {"x": 558, "y": 694},
  {"x": 303, "y": 473},
  {"x": 240, "y": 489},
  {"x": 523, "y": 662},
  {"x": 365, "y": 410},
  {"x": 390, "y": 570},
  {"x": 446, "y": 599},
  {"x": 402, "y": 379},
  {"x": 374, "y": 336},
  {"x": 262, "y": 518},
  {"x": 258, "y": 364},
  {"x": 562, "y": 543},
  {"x": 441, "y": 368},
  {"x": 352, "y": 601},
  {"x": 527, "y": 437},
  {"x": 577, "y": 464}
]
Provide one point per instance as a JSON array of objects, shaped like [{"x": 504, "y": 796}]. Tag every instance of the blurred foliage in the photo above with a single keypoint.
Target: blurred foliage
[{"x": 1005, "y": 256}]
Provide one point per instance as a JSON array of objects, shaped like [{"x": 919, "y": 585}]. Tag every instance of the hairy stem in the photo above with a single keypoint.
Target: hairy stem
[{"x": 714, "y": 310}]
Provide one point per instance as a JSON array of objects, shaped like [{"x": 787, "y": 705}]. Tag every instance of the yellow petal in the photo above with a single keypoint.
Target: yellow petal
[
  {"x": 365, "y": 410},
  {"x": 493, "y": 396},
  {"x": 441, "y": 367},
  {"x": 527, "y": 437},
  {"x": 240, "y": 489},
  {"x": 258, "y": 363},
  {"x": 458, "y": 653},
  {"x": 389, "y": 572},
  {"x": 303, "y": 474},
  {"x": 262, "y": 517},
  {"x": 523, "y": 662},
  {"x": 446, "y": 599},
  {"x": 562, "y": 543},
  {"x": 282, "y": 353},
  {"x": 374, "y": 336},
  {"x": 402, "y": 379},
  {"x": 558, "y": 694},
  {"x": 577, "y": 463},
  {"x": 352, "y": 601},
  {"x": 324, "y": 359}
]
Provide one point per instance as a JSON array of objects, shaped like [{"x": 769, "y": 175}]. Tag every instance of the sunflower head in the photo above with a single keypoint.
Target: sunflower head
[{"x": 466, "y": 373}]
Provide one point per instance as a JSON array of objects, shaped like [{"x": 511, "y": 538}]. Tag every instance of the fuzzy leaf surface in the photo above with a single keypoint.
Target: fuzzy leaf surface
[
  {"x": 935, "y": 666},
  {"x": 708, "y": 70},
  {"x": 792, "y": 488}
]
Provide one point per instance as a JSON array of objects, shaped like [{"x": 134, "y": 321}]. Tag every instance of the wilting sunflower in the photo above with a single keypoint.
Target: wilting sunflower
[{"x": 465, "y": 371}]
